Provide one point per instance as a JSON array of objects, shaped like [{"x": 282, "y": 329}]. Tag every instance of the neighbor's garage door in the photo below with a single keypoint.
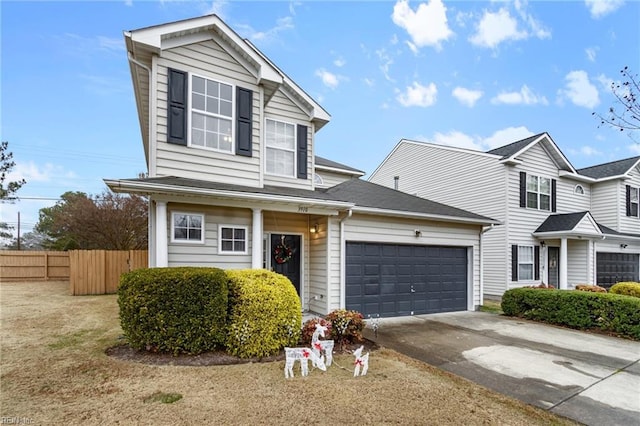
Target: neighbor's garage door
[
  {"x": 616, "y": 267},
  {"x": 395, "y": 280}
]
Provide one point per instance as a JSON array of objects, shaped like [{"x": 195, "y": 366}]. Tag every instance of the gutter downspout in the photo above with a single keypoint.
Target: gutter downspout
[
  {"x": 343, "y": 261},
  {"x": 481, "y": 248}
]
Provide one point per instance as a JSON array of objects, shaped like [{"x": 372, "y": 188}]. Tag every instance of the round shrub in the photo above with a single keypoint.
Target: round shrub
[
  {"x": 629, "y": 288},
  {"x": 174, "y": 309},
  {"x": 265, "y": 314},
  {"x": 346, "y": 326}
]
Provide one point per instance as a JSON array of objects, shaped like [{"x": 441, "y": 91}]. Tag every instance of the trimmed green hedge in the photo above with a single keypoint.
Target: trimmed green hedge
[
  {"x": 174, "y": 310},
  {"x": 627, "y": 288},
  {"x": 576, "y": 309},
  {"x": 265, "y": 314}
]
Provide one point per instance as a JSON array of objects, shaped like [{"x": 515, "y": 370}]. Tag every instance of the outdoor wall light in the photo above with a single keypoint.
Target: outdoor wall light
[
  {"x": 623, "y": 246},
  {"x": 418, "y": 233},
  {"x": 542, "y": 244},
  {"x": 315, "y": 228}
]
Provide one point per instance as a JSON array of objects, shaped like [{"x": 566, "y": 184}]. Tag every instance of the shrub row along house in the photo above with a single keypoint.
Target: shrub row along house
[{"x": 233, "y": 182}]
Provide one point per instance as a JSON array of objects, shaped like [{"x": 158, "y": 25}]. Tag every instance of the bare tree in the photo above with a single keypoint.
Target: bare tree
[
  {"x": 8, "y": 190},
  {"x": 625, "y": 113}
]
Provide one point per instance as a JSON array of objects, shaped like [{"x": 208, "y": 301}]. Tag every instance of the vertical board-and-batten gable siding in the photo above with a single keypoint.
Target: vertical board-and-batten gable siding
[
  {"x": 318, "y": 268},
  {"x": 206, "y": 59},
  {"x": 629, "y": 224},
  {"x": 379, "y": 229},
  {"x": 607, "y": 202},
  {"x": 282, "y": 108},
  {"x": 199, "y": 254},
  {"x": 467, "y": 180}
]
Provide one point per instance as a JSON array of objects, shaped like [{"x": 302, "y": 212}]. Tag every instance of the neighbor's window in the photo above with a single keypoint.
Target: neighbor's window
[
  {"x": 233, "y": 239},
  {"x": 281, "y": 148},
  {"x": 525, "y": 263},
  {"x": 187, "y": 227},
  {"x": 211, "y": 114},
  {"x": 579, "y": 190},
  {"x": 538, "y": 193},
  {"x": 635, "y": 201}
]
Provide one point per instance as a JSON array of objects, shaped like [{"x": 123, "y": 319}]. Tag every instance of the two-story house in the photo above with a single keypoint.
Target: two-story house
[
  {"x": 233, "y": 182},
  {"x": 560, "y": 226}
]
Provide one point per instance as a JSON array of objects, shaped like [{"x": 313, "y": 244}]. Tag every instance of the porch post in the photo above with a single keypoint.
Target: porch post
[
  {"x": 162, "y": 256},
  {"x": 563, "y": 264},
  {"x": 256, "y": 240}
]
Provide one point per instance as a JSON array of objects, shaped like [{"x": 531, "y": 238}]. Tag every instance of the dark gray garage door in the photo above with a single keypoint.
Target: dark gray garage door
[
  {"x": 396, "y": 280},
  {"x": 616, "y": 267}
]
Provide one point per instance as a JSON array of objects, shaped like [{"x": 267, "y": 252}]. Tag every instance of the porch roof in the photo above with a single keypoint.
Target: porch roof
[{"x": 569, "y": 225}]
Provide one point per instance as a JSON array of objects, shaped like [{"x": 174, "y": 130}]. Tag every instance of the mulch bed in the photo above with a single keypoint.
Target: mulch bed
[{"x": 127, "y": 353}]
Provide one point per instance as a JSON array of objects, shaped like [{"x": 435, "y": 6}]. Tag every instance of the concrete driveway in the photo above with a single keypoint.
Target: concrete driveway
[{"x": 586, "y": 377}]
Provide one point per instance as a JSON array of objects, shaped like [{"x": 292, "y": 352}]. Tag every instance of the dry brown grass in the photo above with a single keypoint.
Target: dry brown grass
[{"x": 53, "y": 369}]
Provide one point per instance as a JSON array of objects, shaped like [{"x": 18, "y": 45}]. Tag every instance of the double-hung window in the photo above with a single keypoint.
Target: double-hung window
[
  {"x": 211, "y": 114},
  {"x": 634, "y": 202},
  {"x": 538, "y": 193},
  {"x": 187, "y": 227},
  {"x": 281, "y": 148},
  {"x": 233, "y": 239},
  {"x": 525, "y": 263}
]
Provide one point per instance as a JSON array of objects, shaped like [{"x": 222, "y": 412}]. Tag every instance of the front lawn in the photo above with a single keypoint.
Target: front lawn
[{"x": 54, "y": 369}]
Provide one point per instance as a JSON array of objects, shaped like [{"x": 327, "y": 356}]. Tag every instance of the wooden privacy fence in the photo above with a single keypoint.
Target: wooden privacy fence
[
  {"x": 98, "y": 271},
  {"x": 17, "y": 265}
]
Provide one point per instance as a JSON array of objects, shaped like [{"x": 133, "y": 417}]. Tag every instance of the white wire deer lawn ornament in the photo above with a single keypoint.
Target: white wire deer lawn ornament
[
  {"x": 303, "y": 355},
  {"x": 320, "y": 347},
  {"x": 362, "y": 361}
]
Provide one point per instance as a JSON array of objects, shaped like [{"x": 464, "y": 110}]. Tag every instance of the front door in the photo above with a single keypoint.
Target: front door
[
  {"x": 285, "y": 257},
  {"x": 553, "y": 255}
]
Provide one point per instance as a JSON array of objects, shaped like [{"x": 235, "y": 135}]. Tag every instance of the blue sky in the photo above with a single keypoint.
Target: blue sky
[{"x": 470, "y": 74}]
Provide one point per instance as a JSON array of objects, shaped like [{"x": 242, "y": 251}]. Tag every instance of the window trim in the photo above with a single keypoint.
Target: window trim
[
  {"x": 634, "y": 203},
  {"x": 294, "y": 150},
  {"x": 190, "y": 110},
  {"x": 233, "y": 227},
  {"x": 317, "y": 179},
  {"x": 533, "y": 262},
  {"x": 579, "y": 187},
  {"x": 187, "y": 240},
  {"x": 538, "y": 193}
]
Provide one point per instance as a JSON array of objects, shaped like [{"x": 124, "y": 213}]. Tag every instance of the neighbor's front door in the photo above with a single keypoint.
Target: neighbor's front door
[
  {"x": 553, "y": 254},
  {"x": 285, "y": 257}
]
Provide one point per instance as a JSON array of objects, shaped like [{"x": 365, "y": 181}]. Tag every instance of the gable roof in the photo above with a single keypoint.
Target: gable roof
[
  {"x": 326, "y": 164},
  {"x": 613, "y": 233},
  {"x": 353, "y": 194},
  {"x": 561, "y": 222},
  {"x": 513, "y": 148},
  {"x": 580, "y": 224},
  {"x": 511, "y": 151},
  {"x": 612, "y": 169}
]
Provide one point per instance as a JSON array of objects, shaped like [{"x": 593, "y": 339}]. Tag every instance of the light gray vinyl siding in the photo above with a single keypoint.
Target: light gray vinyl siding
[
  {"x": 209, "y": 60},
  {"x": 378, "y": 229},
  {"x": 334, "y": 250},
  {"x": 606, "y": 201},
  {"x": 282, "y": 108},
  {"x": 495, "y": 263},
  {"x": 568, "y": 200},
  {"x": 579, "y": 265},
  {"x": 318, "y": 267},
  {"x": 629, "y": 224},
  {"x": 463, "y": 179},
  {"x": 330, "y": 179},
  {"x": 207, "y": 253}
]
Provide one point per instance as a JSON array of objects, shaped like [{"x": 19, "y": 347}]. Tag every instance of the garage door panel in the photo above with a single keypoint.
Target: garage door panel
[
  {"x": 412, "y": 279},
  {"x": 616, "y": 267}
]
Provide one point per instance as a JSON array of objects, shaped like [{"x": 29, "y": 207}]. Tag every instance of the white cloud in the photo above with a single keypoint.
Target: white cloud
[
  {"x": 467, "y": 97},
  {"x": 524, "y": 96},
  {"x": 457, "y": 139},
  {"x": 506, "y": 136},
  {"x": 600, "y": 8},
  {"x": 495, "y": 28},
  {"x": 385, "y": 63},
  {"x": 267, "y": 36},
  {"x": 635, "y": 148},
  {"x": 418, "y": 95},
  {"x": 31, "y": 172},
  {"x": 589, "y": 151},
  {"x": 369, "y": 82},
  {"x": 591, "y": 53},
  {"x": 329, "y": 79},
  {"x": 340, "y": 62},
  {"x": 427, "y": 25},
  {"x": 579, "y": 90},
  {"x": 217, "y": 7}
]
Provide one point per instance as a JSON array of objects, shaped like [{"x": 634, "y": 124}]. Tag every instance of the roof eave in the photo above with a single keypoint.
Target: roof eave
[
  {"x": 337, "y": 170},
  {"x": 568, "y": 234},
  {"x": 429, "y": 216}
]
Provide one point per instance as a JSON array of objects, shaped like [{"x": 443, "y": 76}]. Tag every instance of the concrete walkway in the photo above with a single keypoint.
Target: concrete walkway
[{"x": 590, "y": 378}]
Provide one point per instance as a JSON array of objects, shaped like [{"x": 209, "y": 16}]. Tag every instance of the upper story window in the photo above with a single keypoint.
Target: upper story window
[
  {"x": 211, "y": 114},
  {"x": 578, "y": 190},
  {"x": 187, "y": 227},
  {"x": 281, "y": 148},
  {"x": 633, "y": 201},
  {"x": 233, "y": 239},
  {"x": 538, "y": 193}
]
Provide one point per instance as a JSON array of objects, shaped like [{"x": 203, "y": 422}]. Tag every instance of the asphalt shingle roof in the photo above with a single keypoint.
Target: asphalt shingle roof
[
  {"x": 609, "y": 231},
  {"x": 614, "y": 168},
  {"x": 321, "y": 161},
  {"x": 561, "y": 222},
  {"x": 509, "y": 150}
]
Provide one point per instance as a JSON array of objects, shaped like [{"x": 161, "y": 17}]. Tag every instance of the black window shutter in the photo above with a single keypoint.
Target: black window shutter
[
  {"x": 628, "y": 200},
  {"x": 523, "y": 189},
  {"x": 514, "y": 263},
  {"x": 553, "y": 195},
  {"x": 244, "y": 121},
  {"x": 536, "y": 262},
  {"x": 302, "y": 151},
  {"x": 177, "y": 107}
]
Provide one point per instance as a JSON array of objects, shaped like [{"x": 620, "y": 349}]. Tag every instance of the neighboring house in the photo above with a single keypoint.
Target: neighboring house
[
  {"x": 560, "y": 226},
  {"x": 233, "y": 182}
]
